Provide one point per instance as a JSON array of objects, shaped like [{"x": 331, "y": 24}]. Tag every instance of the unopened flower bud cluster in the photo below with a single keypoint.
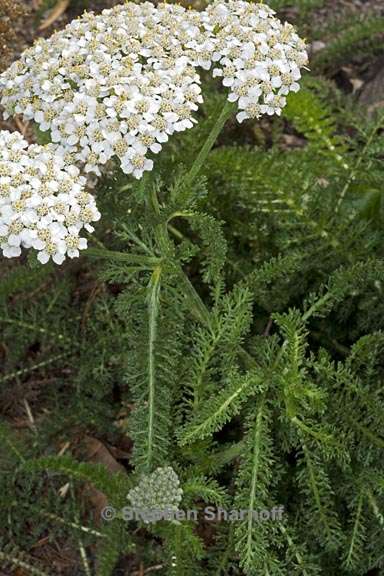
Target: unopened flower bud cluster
[
  {"x": 118, "y": 84},
  {"x": 159, "y": 491},
  {"x": 43, "y": 203}
]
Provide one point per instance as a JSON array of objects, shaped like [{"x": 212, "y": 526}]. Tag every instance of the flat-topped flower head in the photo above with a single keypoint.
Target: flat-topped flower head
[
  {"x": 43, "y": 202},
  {"x": 118, "y": 84}
]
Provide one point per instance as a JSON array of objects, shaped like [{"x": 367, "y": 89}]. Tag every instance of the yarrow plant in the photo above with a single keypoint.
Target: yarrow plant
[
  {"x": 227, "y": 343},
  {"x": 110, "y": 90},
  {"x": 43, "y": 201}
]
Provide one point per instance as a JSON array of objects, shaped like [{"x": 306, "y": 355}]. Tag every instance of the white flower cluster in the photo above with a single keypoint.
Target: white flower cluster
[
  {"x": 120, "y": 83},
  {"x": 159, "y": 491},
  {"x": 258, "y": 57},
  {"x": 43, "y": 203}
]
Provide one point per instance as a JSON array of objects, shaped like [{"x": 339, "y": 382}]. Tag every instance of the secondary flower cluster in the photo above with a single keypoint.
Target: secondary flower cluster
[
  {"x": 43, "y": 203},
  {"x": 258, "y": 57},
  {"x": 120, "y": 83},
  {"x": 159, "y": 491}
]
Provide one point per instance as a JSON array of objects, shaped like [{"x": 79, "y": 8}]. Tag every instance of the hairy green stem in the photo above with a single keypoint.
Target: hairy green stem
[
  {"x": 256, "y": 464},
  {"x": 198, "y": 163},
  {"x": 149, "y": 262},
  {"x": 198, "y": 307},
  {"x": 161, "y": 230},
  {"x": 153, "y": 310}
]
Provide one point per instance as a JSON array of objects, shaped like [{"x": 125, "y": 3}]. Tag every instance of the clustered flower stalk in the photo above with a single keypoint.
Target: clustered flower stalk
[{"x": 116, "y": 86}]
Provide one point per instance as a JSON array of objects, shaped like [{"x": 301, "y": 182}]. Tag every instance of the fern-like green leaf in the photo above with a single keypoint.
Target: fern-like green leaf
[{"x": 221, "y": 407}]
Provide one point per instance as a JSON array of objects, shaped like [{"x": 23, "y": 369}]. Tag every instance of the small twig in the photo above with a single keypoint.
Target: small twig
[
  {"x": 34, "y": 328},
  {"x": 30, "y": 415},
  {"x": 84, "y": 558},
  {"x": 141, "y": 572},
  {"x": 23, "y": 371},
  {"x": 73, "y": 524},
  {"x": 56, "y": 12},
  {"x": 83, "y": 552},
  {"x": 21, "y": 126},
  {"x": 268, "y": 327},
  {"x": 64, "y": 448}
]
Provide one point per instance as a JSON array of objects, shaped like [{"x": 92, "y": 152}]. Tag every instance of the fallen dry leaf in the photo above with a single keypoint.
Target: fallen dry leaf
[
  {"x": 97, "y": 453},
  {"x": 293, "y": 141},
  {"x": 120, "y": 453},
  {"x": 54, "y": 14},
  {"x": 41, "y": 542},
  {"x": 371, "y": 95},
  {"x": 357, "y": 84}
]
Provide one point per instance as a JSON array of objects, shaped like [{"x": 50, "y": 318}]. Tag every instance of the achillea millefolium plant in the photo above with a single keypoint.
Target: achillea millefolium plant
[{"x": 225, "y": 312}]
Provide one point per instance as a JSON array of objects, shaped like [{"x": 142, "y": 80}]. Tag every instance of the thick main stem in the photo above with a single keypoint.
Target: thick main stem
[
  {"x": 198, "y": 307},
  {"x": 226, "y": 112}
]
